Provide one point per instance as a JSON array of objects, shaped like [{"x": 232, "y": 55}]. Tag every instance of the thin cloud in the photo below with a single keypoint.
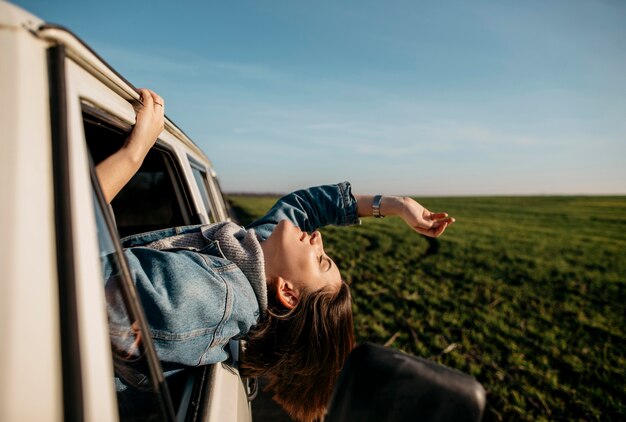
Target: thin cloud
[
  {"x": 182, "y": 63},
  {"x": 142, "y": 61},
  {"x": 252, "y": 71},
  {"x": 402, "y": 140}
]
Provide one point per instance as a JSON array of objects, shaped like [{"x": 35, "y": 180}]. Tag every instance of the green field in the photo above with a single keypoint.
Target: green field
[{"x": 527, "y": 294}]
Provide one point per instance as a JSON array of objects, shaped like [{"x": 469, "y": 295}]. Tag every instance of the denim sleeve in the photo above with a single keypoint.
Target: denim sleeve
[{"x": 310, "y": 209}]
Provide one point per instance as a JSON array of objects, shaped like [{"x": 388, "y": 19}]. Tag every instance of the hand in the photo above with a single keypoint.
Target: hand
[
  {"x": 150, "y": 123},
  {"x": 423, "y": 221}
]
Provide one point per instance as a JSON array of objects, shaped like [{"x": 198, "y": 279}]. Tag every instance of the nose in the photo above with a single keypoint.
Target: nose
[
  {"x": 316, "y": 237},
  {"x": 316, "y": 242}
]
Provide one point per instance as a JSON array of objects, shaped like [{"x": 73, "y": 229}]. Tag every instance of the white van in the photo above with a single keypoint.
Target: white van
[{"x": 62, "y": 110}]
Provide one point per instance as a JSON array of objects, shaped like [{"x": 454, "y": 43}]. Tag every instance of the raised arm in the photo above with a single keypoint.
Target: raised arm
[
  {"x": 413, "y": 213},
  {"x": 117, "y": 169},
  {"x": 311, "y": 208}
]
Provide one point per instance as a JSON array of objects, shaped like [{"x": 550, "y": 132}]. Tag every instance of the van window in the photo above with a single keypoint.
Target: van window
[
  {"x": 136, "y": 394},
  {"x": 157, "y": 196},
  {"x": 200, "y": 175}
]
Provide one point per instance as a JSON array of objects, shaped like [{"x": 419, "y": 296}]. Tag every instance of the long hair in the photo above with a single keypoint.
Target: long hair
[{"x": 301, "y": 351}]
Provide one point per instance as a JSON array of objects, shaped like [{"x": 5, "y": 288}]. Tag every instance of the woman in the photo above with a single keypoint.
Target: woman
[{"x": 270, "y": 283}]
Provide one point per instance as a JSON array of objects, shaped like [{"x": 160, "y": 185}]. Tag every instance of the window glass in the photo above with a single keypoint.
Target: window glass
[
  {"x": 152, "y": 199},
  {"x": 137, "y": 399},
  {"x": 220, "y": 196},
  {"x": 203, "y": 186}
]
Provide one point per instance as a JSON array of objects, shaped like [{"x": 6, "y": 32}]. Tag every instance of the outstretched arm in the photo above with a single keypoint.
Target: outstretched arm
[
  {"x": 413, "y": 213},
  {"x": 117, "y": 169},
  {"x": 319, "y": 206},
  {"x": 311, "y": 209}
]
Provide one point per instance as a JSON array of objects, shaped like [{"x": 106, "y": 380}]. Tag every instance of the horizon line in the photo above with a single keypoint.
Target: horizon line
[{"x": 479, "y": 195}]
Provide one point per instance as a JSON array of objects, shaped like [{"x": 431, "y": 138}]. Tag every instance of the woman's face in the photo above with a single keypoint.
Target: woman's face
[{"x": 299, "y": 257}]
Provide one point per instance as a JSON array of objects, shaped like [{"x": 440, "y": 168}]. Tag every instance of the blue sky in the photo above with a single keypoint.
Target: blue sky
[{"x": 404, "y": 97}]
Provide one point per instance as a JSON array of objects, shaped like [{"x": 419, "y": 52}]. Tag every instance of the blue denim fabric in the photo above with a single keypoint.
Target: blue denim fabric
[
  {"x": 311, "y": 209},
  {"x": 195, "y": 300}
]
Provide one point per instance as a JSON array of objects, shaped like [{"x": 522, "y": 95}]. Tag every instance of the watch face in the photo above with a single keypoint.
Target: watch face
[{"x": 376, "y": 206}]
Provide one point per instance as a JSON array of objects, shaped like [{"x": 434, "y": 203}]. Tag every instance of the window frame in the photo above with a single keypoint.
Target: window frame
[
  {"x": 209, "y": 189},
  {"x": 72, "y": 374}
]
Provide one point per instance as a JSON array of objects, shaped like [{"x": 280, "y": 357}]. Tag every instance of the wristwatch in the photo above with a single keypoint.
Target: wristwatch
[{"x": 376, "y": 206}]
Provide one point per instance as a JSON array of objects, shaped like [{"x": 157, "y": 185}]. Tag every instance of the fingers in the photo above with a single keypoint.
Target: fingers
[
  {"x": 152, "y": 101},
  {"x": 146, "y": 98},
  {"x": 158, "y": 101},
  {"x": 441, "y": 226},
  {"x": 437, "y": 228},
  {"x": 438, "y": 215},
  {"x": 434, "y": 231},
  {"x": 150, "y": 121},
  {"x": 431, "y": 224}
]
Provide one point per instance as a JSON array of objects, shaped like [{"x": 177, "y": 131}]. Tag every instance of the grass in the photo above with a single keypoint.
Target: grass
[{"x": 527, "y": 294}]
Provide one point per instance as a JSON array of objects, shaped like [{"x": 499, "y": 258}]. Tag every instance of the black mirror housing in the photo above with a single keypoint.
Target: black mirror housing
[{"x": 379, "y": 384}]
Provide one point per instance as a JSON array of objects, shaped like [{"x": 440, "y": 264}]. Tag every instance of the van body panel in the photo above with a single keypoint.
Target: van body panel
[
  {"x": 225, "y": 382},
  {"x": 29, "y": 326},
  {"x": 31, "y": 386},
  {"x": 96, "y": 360}
]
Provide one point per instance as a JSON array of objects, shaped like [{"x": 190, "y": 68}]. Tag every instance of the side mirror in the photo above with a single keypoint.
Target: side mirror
[{"x": 380, "y": 384}]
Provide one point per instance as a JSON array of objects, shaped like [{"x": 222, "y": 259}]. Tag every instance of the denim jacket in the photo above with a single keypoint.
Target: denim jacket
[{"x": 196, "y": 300}]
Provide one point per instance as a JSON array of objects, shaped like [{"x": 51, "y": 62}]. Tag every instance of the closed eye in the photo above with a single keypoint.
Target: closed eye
[{"x": 325, "y": 263}]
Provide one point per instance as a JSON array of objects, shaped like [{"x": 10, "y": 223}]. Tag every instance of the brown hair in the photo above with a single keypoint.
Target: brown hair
[{"x": 301, "y": 351}]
